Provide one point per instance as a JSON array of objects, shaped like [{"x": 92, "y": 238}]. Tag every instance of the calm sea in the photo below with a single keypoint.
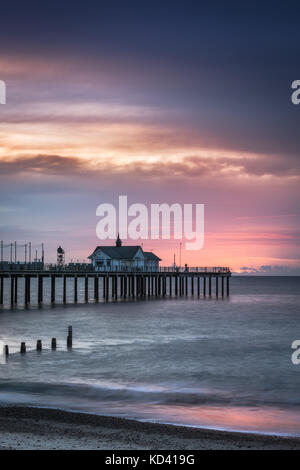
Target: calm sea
[{"x": 222, "y": 364}]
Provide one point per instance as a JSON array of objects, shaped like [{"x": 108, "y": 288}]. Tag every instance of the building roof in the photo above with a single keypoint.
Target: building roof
[
  {"x": 124, "y": 252},
  {"x": 151, "y": 256},
  {"x": 117, "y": 252}
]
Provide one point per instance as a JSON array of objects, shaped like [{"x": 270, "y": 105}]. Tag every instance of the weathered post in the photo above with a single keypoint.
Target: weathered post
[
  {"x": 186, "y": 285},
  {"x": 192, "y": 281},
  {"x": 198, "y": 286},
  {"x": 53, "y": 344},
  {"x": 70, "y": 331},
  {"x": 204, "y": 286},
  {"x": 222, "y": 286},
  {"x": 39, "y": 345},
  {"x": 209, "y": 286},
  {"x": 227, "y": 286},
  {"x": 23, "y": 348},
  {"x": 217, "y": 285},
  {"x": 6, "y": 350},
  {"x": 70, "y": 337}
]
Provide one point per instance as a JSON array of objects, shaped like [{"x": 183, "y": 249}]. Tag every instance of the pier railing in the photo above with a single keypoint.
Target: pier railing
[
  {"x": 88, "y": 268},
  {"x": 194, "y": 269}
]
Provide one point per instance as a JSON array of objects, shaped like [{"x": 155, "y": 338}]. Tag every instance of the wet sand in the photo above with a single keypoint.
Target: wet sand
[{"x": 39, "y": 428}]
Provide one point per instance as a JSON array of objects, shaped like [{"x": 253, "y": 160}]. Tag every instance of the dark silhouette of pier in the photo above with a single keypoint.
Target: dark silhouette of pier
[{"x": 167, "y": 282}]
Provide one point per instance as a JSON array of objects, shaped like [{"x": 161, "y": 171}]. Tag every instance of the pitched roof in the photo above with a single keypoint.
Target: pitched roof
[
  {"x": 117, "y": 252},
  {"x": 151, "y": 256}
]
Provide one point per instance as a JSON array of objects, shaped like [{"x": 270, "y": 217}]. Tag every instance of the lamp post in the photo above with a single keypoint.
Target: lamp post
[{"x": 180, "y": 256}]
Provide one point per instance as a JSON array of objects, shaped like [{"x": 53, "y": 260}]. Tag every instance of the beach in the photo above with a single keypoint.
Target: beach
[{"x": 26, "y": 428}]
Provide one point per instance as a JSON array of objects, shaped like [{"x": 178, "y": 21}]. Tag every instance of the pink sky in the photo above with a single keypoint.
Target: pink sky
[{"x": 72, "y": 138}]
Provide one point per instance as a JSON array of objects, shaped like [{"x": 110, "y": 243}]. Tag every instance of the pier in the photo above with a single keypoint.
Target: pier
[{"x": 20, "y": 286}]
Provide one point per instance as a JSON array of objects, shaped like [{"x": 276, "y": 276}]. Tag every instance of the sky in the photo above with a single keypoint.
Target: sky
[{"x": 165, "y": 102}]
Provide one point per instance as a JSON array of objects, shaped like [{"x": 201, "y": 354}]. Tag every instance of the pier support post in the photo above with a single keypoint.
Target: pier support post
[
  {"x": 186, "y": 285},
  {"x": 227, "y": 286},
  {"x": 86, "y": 289},
  {"x": 204, "y": 286},
  {"x": 64, "y": 289},
  {"x": 192, "y": 281},
  {"x": 39, "y": 345},
  {"x": 107, "y": 288},
  {"x": 6, "y": 350},
  {"x": 96, "y": 288},
  {"x": 1, "y": 290},
  {"x": 23, "y": 348},
  {"x": 103, "y": 286},
  {"x": 40, "y": 289},
  {"x": 52, "y": 289},
  {"x": 75, "y": 288},
  {"x": 116, "y": 286},
  {"x": 198, "y": 286},
  {"x": 217, "y": 286},
  {"x": 53, "y": 344},
  {"x": 27, "y": 290},
  {"x": 209, "y": 286},
  {"x": 16, "y": 290},
  {"x": 222, "y": 286},
  {"x": 12, "y": 284},
  {"x": 112, "y": 286}
]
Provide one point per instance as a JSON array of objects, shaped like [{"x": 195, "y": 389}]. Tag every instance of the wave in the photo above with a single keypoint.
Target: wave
[{"x": 140, "y": 394}]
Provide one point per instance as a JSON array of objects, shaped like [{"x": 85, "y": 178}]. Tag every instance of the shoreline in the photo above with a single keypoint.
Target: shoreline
[{"x": 52, "y": 429}]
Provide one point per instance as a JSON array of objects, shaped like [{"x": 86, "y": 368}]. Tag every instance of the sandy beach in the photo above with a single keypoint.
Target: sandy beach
[{"x": 35, "y": 428}]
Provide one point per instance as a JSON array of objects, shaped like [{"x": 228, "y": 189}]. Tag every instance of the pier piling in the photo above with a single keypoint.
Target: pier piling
[
  {"x": 39, "y": 345},
  {"x": 123, "y": 284},
  {"x": 23, "y": 348}
]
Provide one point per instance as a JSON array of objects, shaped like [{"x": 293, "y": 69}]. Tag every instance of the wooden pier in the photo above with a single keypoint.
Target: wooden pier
[{"x": 107, "y": 286}]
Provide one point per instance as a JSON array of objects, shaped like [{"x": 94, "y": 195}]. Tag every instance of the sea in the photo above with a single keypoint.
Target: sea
[{"x": 217, "y": 363}]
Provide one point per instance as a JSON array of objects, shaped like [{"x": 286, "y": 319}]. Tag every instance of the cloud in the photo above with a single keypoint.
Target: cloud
[
  {"x": 271, "y": 270},
  {"x": 187, "y": 167}
]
